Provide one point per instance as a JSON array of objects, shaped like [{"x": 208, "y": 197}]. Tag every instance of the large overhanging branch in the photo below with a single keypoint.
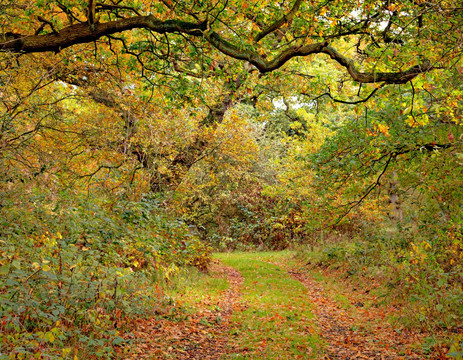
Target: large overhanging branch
[
  {"x": 400, "y": 77},
  {"x": 257, "y": 60},
  {"x": 83, "y": 33},
  {"x": 279, "y": 60}
]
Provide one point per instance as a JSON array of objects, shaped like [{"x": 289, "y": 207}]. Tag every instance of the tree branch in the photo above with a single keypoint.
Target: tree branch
[
  {"x": 370, "y": 188},
  {"x": 277, "y": 24},
  {"x": 45, "y": 22},
  {"x": 257, "y": 60},
  {"x": 290, "y": 52},
  {"x": 82, "y": 33},
  {"x": 110, "y": 7},
  {"x": 400, "y": 77},
  {"x": 391, "y": 155},
  {"x": 343, "y": 101}
]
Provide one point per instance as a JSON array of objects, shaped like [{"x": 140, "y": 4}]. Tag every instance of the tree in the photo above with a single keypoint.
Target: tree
[
  {"x": 183, "y": 48},
  {"x": 124, "y": 122},
  {"x": 395, "y": 42}
]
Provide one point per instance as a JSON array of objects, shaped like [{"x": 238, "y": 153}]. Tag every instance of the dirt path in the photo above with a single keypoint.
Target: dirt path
[
  {"x": 202, "y": 336},
  {"x": 277, "y": 321},
  {"x": 359, "y": 330},
  {"x": 360, "y": 333}
]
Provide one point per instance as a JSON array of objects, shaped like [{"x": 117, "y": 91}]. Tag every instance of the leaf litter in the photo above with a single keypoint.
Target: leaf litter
[
  {"x": 358, "y": 331},
  {"x": 202, "y": 335},
  {"x": 362, "y": 331}
]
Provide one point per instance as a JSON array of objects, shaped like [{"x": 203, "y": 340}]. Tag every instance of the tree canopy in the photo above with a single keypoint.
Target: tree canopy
[
  {"x": 136, "y": 136},
  {"x": 394, "y": 42}
]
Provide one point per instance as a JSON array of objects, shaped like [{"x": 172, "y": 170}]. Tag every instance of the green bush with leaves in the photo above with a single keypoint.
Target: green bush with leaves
[{"x": 71, "y": 276}]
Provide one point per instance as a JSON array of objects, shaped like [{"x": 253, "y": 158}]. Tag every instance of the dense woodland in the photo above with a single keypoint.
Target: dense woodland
[{"x": 138, "y": 137}]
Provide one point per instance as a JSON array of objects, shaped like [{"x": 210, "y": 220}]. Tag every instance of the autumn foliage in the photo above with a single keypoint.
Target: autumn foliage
[{"x": 136, "y": 137}]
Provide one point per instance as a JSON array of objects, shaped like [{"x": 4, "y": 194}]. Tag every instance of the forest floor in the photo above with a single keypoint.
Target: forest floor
[{"x": 268, "y": 306}]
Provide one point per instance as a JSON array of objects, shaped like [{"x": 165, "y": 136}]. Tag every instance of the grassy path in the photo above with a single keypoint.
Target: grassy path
[
  {"x": 290, "y": 315},
  {"x": 197, "y": 325},
  {"x": 277, "y": 322},
  {"x": 266, "y": 306}
]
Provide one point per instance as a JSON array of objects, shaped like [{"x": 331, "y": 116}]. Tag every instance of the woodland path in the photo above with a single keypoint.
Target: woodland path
[
  {"x": 202, "y": 334},
  {"x": 274, "y": 309}
]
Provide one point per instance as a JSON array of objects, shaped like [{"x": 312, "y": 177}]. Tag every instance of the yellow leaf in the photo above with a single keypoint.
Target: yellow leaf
[
  {"x": 49, "y": 336},
  {"x": 46, "y": 268},
  {"x": 383, "y": 129},
  {"x": 66, "y": 352}
]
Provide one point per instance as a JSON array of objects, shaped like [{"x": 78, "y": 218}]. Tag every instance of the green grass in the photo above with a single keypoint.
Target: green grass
[
  {"x": 193, "y": 287},
  {"x": 277, "y": 322}
]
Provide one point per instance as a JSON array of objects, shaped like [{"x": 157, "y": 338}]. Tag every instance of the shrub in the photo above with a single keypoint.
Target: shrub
[{"x": 73, "y": 275}]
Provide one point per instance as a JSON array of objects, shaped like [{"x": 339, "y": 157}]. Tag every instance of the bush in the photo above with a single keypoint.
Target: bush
[
  {"x": 73, "y": 275},
  {"x": 420, "y": 269}
]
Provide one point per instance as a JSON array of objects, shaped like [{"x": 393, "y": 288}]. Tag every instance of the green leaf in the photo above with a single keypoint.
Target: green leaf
[
  {"x": 4, "y": 269},
  {"x": 118, "y": 340}
]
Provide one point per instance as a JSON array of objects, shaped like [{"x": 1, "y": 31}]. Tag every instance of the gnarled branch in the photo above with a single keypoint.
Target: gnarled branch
[
  {"x": 83, "y": 33},
  {"x": 400, "y": 77}
]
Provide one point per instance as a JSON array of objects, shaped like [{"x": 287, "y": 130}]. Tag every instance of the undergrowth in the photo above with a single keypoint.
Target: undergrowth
[
  {"x": 418, "y": 269},
  {"x": 74, "y": 272}
]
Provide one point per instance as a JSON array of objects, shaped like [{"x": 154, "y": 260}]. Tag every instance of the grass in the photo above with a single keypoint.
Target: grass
[
  {"x": 379, "y": 271},
  {"x": 277, "y": 322},
  {"x": 193, "y": 287}
]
